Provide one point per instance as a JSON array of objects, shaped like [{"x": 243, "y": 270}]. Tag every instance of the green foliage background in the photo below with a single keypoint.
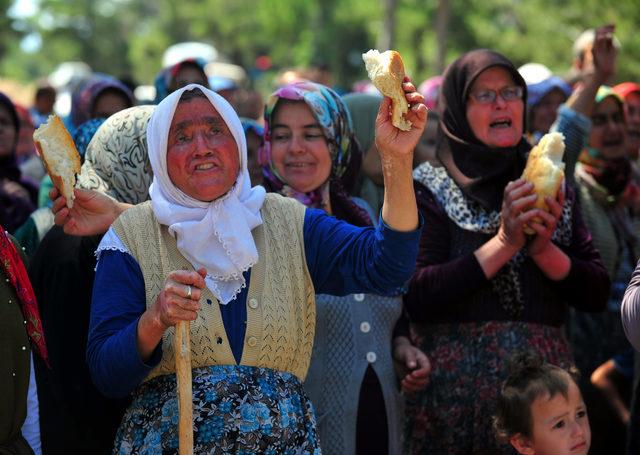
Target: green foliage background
[{"x": 128, "y": 37}]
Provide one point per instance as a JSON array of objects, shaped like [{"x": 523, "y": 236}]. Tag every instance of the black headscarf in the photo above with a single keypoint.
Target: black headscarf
[{"x": 480, "y": 171}]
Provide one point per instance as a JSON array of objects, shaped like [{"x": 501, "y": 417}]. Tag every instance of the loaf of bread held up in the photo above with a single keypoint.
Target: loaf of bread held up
[
  {"x": 545, "y": 169},
  {"x": 59, "y": 155},
  {"x": 386, "y": 71}
]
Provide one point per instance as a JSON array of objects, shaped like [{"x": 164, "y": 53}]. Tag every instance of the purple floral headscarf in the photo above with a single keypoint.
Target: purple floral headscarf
[{"x": 334, "y": 118}]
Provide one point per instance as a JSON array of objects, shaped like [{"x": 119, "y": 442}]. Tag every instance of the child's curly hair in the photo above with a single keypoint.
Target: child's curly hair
[{"x": 529, "y": 378}]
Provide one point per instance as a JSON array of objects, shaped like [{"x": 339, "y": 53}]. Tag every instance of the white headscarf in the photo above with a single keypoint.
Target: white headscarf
[{"x": 215, "y": 235}]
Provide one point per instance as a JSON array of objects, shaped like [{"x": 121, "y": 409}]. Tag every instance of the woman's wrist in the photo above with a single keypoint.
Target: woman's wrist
[
  {"x": 399, "y": 208},
  {"x": 494, "y": 254},
  {"x": 391, "y": 161},
  {"x": 150, "y": 332},
  {"x": 553, "y": 262},
  {"x": 118, "y": 208},
  {"x": 541, "y": 253},
  {"x": 506, "y": 245}
]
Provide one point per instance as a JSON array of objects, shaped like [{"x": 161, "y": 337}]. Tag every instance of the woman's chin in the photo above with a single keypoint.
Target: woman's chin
[
  {"x": 502, "y": 137},
  {"x": 306, "y": 184},
  {"x": 302, "y": 188},
  {"x": 504, "y": 142}
]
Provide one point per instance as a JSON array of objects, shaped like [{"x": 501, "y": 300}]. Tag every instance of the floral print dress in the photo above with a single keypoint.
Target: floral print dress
[{"x": 236, "y": 409}]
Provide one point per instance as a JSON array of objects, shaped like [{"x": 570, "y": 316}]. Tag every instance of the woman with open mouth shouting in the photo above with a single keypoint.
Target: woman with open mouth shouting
[{"x": 483, "y": 289}]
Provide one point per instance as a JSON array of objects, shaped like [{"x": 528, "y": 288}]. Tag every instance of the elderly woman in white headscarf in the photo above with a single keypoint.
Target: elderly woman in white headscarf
[{"x": 243, "y": 267}]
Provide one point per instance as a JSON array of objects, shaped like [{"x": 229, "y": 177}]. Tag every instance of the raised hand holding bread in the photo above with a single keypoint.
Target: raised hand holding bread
[
  {"x": 386, "y": 71},
  {"x": 59, "y": 155}
]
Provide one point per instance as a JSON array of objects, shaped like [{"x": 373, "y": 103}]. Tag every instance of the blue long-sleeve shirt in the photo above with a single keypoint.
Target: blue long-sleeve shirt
[{"x": 342, "y": 259}]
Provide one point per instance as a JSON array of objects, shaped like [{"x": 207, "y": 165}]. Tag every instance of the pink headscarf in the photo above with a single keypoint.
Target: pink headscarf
[{"x": 430, "y": 89}]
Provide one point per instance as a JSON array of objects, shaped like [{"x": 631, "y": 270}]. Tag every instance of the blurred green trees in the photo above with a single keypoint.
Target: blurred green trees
[{"x": 128, "y": 37}]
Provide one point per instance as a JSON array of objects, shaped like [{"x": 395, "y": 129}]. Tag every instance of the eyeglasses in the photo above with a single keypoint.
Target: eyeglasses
[
  {"x": 603, "y": 119},
  {"x": 487, "y": 96}
]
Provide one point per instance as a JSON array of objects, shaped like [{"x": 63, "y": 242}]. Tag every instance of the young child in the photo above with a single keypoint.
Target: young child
[{"x": 540, "y": 410}]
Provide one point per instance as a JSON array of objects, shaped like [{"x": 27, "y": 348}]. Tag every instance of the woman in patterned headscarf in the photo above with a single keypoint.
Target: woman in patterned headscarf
[
  {"x": 483, "y": 289},
  {"x": 75, "y": 416},
  {"x": 321, "y": 180},
  {"x": 310, "y": 153},
  {"x": 118, "y": 164}
]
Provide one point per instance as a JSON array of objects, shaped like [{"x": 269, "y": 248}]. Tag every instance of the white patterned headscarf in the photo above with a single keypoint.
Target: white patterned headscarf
[
  {"x": 215, "y": 235},
  {"x": 117, "y": 162}
]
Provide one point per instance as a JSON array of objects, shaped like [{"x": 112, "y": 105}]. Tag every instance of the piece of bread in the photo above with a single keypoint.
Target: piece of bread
[
  {"x": 545, "y": 169},
  {"x": 59, "y": 155},
  {"x": 386, "y": 71}
]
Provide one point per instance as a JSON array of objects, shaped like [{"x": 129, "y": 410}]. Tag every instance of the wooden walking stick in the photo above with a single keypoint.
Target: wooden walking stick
[{"x": 182, "y": 348}]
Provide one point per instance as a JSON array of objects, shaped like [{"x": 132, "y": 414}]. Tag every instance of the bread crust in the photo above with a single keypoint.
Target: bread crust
[
  {"x": 59, "y": 155},
  {"x": 386, "y": 71},
  {"x": 545, "y": 170}
]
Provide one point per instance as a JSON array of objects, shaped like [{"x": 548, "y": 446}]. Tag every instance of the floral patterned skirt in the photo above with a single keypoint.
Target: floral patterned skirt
[
  {"x": 236, "y": 409},
  {"x": 453, "y": 415}
]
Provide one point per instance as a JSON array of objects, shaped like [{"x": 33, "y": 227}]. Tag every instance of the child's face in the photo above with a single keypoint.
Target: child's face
[{"x": 560, "y": 425}]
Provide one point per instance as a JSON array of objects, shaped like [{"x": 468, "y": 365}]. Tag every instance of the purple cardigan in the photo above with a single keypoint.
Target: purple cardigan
[{"x": 449, "y": 285}]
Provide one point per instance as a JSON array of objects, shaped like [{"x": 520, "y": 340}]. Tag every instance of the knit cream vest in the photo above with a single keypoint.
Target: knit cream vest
[{"x": 281, "y": 300}]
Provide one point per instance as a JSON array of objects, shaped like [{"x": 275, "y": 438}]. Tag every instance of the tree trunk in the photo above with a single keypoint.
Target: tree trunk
[
  {"x": 387, "y": 39},
  {"x": 442, "y": 25},
  {"x": 417, "y": 41},
  {"x": 323, "y": 40}
]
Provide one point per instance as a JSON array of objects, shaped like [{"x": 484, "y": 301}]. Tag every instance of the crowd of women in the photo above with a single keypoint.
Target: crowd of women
[{"x": 349, "y": 287}]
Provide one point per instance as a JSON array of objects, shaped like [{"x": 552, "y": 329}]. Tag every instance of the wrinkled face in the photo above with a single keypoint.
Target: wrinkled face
[
  {"x": 632, "y": 116},
  {"x": 108, "y": 103},
  {"x": 499, "y": 123},
  {"x": 560, "y": 425},
  {"x": 608, "y": 131},
  {"x": 299, "y": 149},
  {"x": 8, "y": 135},
  {"x": 545, "y": 112},
  {"x": 202, "y": 155}
]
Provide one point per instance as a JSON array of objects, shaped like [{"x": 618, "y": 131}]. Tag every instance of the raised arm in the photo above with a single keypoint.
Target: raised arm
[
  {"x": 396, "y": 148},
  {"x": 574, "y": 116},
  {"x": 344, "y": 259},
  {"x": 604, "y": 67}
]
